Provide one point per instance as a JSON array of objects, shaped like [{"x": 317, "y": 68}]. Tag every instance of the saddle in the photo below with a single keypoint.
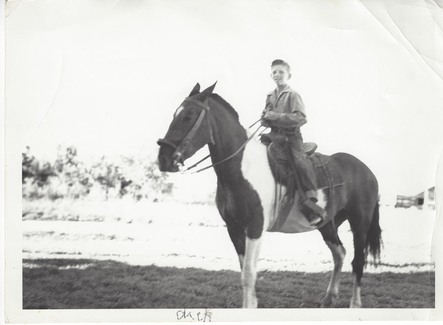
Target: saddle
[
  {"x": 280, "y": 140},
  {"x": 326, "y": 170},
  {"x": 281, "y": 161}
]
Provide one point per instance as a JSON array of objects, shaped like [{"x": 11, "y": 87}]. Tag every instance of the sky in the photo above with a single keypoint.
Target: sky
[{"x": 106, "y": 76}]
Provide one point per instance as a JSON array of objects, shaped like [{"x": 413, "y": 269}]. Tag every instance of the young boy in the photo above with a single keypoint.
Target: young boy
[{"x": 285, "y": 113}]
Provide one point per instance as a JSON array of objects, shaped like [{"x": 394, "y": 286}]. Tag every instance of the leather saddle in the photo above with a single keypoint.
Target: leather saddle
[
  {"x": 280, "y": 140},
  {"x": 327, "y": 173},
  {"x": 326, "y": 170}
]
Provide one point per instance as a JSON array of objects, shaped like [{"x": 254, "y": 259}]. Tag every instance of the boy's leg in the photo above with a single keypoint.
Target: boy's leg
[
  {"x": 307, "y": 176},
  {"x": 306, "y": 172}
]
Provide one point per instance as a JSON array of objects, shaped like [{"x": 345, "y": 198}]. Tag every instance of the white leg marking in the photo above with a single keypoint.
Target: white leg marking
[
  {"x": 356, "y": 297},
  {"x": 338, "y": 254},
  {"x": 241, "y": 259},
  {"x": 249, "y": 272}
]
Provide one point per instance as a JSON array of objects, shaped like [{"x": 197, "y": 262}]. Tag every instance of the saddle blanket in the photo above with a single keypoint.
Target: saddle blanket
[{"x": 326, "y": 170}]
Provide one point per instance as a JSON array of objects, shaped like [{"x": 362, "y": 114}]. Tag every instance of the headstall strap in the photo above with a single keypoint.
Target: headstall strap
[
  {"x": 197, "y": 102},
  {"x": 193, "y": 130},
  {"x": 191, "y": 133},
  {"x": 188, "y": 138},
  {"x": 206, "y": 107}
]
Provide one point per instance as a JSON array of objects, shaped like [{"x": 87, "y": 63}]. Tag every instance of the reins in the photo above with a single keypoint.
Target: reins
[{"x": 227, "y": 158}]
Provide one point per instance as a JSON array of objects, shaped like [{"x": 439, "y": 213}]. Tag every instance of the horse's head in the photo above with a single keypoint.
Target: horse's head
[{"x": 189, "y": 130}]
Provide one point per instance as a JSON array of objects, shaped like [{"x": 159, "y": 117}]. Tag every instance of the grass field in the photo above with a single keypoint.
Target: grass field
[
  {"x": 121, "y": 255},
  {"x": 92, "y": 284}
]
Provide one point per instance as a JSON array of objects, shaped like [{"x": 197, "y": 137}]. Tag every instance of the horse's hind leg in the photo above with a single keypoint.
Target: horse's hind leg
[
  {"x": 330, "y": 236},
  {"x": 357, "y": 270},
  {"x": 359, "y": 231}
]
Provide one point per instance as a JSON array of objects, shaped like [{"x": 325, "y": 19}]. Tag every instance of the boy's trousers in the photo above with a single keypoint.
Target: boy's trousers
[{"x": 304, "y": 171}]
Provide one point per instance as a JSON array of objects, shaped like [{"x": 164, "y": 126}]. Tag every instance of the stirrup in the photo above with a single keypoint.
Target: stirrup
[
  {"x": 316, "y": 221},
  {"x": 311, "y": 195},
  {"x": 314, "y": 207}
]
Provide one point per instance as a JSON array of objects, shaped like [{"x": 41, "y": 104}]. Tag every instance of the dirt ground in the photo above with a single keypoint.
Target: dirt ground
[{"x": 180, "y": 235}]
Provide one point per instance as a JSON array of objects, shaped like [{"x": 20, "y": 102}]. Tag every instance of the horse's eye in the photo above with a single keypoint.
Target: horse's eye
[{"x": 186, "y": 118}]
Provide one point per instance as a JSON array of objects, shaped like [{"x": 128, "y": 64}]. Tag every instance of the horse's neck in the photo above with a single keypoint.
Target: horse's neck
[{"x": 228, "y": 135}]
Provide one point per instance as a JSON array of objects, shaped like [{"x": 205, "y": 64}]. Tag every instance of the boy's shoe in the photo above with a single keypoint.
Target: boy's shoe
[
  {"x": 316, "y": 220},
  {"x": 313, "y": 212}
]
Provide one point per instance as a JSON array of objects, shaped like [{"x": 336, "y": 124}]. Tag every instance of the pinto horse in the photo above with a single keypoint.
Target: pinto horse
[{"x": 246, "y": 189}]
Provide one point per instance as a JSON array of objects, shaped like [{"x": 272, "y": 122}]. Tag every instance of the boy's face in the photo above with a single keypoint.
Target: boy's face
[{"x": 280, "y": 74}]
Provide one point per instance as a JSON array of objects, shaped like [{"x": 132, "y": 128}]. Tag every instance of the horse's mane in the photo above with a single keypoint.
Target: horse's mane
[{"x": 230, "y": 109}]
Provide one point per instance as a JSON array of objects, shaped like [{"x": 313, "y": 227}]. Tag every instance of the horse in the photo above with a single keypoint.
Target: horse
[{"x": 246, "y": 192}]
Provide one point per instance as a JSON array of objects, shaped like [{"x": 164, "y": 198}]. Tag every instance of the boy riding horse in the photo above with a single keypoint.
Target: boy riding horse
[{"x": 285, "y": 114}]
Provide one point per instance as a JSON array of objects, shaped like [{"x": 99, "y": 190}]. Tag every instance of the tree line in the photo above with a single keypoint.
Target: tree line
[{"x": 68, "y": 176}]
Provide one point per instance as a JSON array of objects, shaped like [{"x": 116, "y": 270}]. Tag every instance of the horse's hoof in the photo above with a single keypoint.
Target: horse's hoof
[
  {"x": 355, "y": 305},
  {"x": 328, "y": 302}
]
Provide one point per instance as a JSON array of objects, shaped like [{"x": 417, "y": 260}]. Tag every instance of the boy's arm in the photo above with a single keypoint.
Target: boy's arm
[
  {"x": 285, "y": 120},
  {"x": 265, "y": 122},
  {"x": 295, "y": 118}
]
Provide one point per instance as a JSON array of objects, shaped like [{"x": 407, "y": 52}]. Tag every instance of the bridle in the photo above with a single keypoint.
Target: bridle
[{"x": 180, "y": 148}]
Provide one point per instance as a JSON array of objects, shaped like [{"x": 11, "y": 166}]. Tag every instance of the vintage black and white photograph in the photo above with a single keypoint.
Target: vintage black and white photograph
[{"x": 194, "y": 160}]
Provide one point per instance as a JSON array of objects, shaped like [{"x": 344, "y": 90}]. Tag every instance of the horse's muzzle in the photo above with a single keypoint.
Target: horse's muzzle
[
  {"x": 170, "y": 157},
  {"x": 168, "y": 165},
  {"x": 168, "y": 161}
]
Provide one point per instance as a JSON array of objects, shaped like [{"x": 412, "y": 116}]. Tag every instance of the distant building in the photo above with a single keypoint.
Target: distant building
[{"x": 424, "y": 200}]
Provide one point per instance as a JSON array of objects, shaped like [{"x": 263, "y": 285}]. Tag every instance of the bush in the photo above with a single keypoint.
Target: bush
[{"x": 68, "y": 177}]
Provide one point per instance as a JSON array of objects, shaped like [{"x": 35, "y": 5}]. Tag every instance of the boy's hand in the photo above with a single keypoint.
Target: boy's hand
[
  {"x": 268, "y": 117},
  {"x": 265, "y": 123},
  {"x": 271, "y": 116}
]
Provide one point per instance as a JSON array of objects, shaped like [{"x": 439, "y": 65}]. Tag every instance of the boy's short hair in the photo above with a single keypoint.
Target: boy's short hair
[{"x": 281, "y": 62}]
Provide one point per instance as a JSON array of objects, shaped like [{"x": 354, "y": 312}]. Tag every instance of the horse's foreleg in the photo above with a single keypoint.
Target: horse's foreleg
[
  {"x": 249, "y": 272},
  {"x": 238, "y": 237},
  {"x": 248, "y": 251},
  {"x": 338, "y": 254}
]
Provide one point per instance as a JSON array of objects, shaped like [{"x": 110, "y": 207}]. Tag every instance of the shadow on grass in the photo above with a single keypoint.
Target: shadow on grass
[{"x": 93, "y": 284}]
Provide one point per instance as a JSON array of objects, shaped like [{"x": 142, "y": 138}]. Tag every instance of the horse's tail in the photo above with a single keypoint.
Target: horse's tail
[{"x": 374, "y": 241}]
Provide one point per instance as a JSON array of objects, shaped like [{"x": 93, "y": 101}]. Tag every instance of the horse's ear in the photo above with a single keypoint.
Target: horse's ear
[
  {"x": 195, "y": 90},
  {"x": 205, "y": 93}
]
